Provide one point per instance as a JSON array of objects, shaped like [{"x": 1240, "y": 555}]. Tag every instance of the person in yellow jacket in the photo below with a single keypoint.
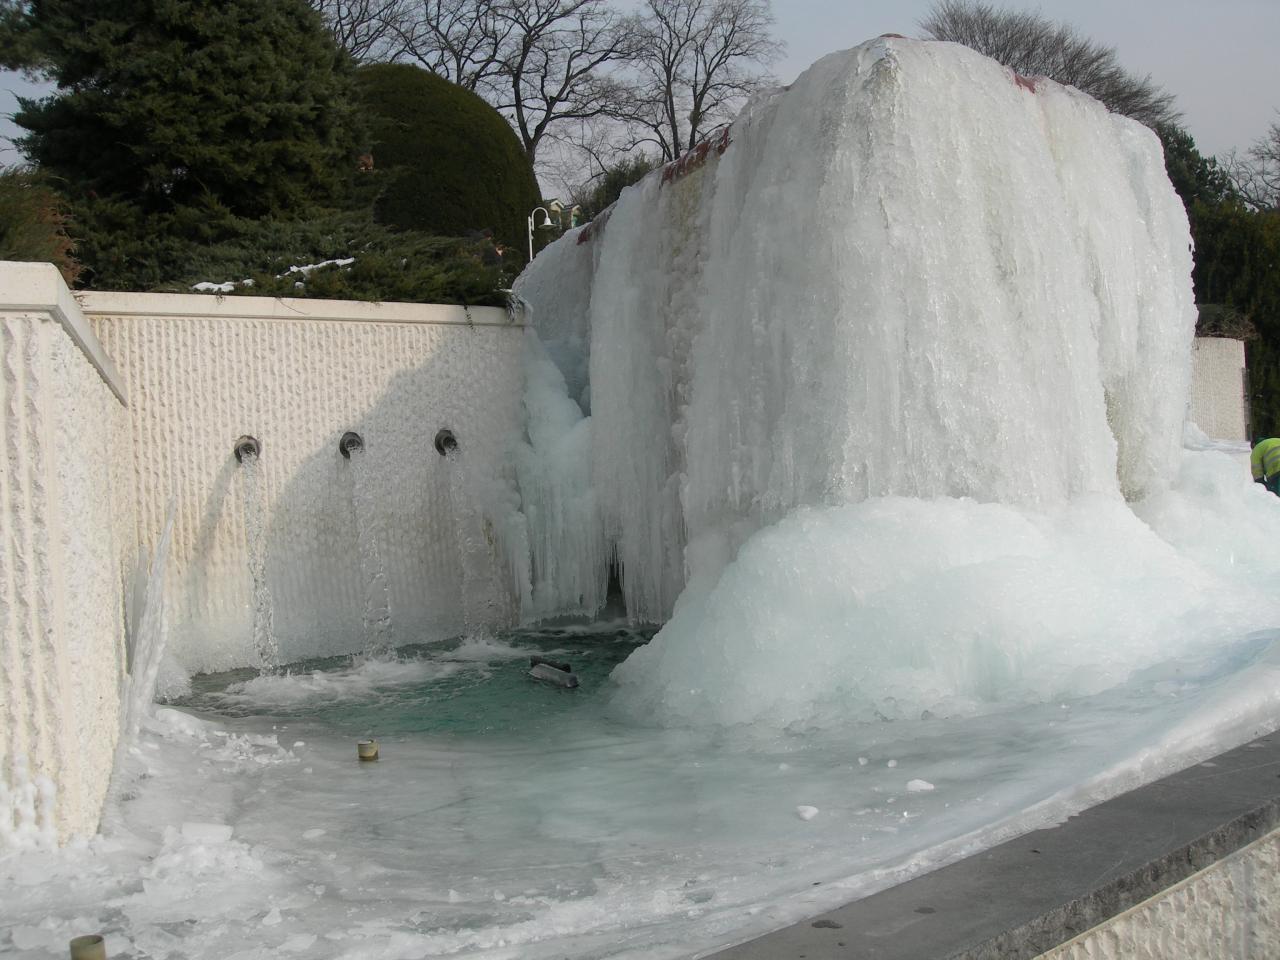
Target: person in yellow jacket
[{"x": 1265, "y": 461}]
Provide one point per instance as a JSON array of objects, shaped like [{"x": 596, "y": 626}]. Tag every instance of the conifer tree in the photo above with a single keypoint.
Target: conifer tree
[{"x": 233, "y": 106}]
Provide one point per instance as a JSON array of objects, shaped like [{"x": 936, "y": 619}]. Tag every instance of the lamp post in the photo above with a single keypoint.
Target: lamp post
[{"x": 545, "y": 223}]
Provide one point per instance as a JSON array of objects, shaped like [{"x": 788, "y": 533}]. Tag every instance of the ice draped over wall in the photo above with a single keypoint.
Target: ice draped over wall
[{"x": 910, "y": 273}]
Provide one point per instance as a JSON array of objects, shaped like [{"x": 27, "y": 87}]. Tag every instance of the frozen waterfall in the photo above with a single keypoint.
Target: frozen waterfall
[
  {"x": 910, "y": 273},
  {"x": 926, "y": 321}
]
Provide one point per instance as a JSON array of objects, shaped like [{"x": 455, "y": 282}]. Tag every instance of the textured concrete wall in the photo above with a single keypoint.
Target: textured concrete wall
[
  {"x": 66, "y": 546},
  {"x": 296, "y": 374},
  {"x": 1231, "y": 909},
  {"x": 1217, "y": 388}
]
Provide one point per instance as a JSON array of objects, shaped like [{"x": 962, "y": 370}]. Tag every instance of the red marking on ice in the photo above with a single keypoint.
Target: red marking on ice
[
  {"x": 672, "y": 172},
  {"x": 695, "y": 158},
  {"x": 595, "y": 226},
  {"x": 1026, "y": 83}
]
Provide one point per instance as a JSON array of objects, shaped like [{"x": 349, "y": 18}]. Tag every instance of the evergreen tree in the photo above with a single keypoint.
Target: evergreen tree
[
  {"x": 1196, "y": 178},
  {"x": 1238, "y": 266},
  {"x": 234, "y": 106}
]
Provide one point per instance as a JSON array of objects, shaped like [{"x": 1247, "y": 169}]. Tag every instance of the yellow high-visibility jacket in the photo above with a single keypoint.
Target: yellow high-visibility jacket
[{"x": 1265, "y": 459}]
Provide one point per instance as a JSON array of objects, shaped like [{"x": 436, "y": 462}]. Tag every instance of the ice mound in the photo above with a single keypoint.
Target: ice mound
[
  {"x": 910, "y": 274},
  {"x": 899, "y": 608}
]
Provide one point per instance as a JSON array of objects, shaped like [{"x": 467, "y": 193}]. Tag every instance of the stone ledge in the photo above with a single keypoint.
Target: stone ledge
[
  {"x": 1038, "y": 891},
  {"x": 39, "y": 288},
  {"x": 181, "y": 306}
]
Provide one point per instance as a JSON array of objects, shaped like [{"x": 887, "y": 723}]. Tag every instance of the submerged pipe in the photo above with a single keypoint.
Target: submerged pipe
[
  {"x": 351, "y": 442},
  {"x": 91, "y": 947},
  {"x": 446, "y": 442},
  {"x": 551, "y": 672},
  {"x": 247, "y": 446}
]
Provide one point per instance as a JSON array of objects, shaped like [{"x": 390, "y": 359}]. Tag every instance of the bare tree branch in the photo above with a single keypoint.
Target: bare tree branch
[
  {"x": 555, "y": 72},
  {"x": 697, "y": 61},
  {"x": 1256, "y": 175},
  {"x": 366, "y": 29},
  {"x": 542, "y": 63},
  {"x": 464, "y": 41}
]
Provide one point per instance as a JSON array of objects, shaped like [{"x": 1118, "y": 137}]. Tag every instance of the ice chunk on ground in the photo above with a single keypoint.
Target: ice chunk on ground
[{"x": 206, "y": 832}]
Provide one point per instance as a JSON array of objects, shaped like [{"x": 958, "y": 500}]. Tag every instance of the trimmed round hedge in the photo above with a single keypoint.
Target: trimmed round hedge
[{"x": 449, "y": 163}]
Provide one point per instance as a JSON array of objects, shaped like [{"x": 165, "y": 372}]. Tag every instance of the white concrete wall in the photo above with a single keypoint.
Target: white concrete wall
[
  {"x": 1217, "y": 388},
  {"x": 296, "y": 374},
  {"x": 1230, "y": 909},
  {"x": 67, "y": 542}
]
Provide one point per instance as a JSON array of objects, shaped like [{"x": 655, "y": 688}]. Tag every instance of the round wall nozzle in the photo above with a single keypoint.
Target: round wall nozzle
[
  {"x": 350, "y": 443},
  {"x": 247, "y": 446},
  {"x": 446, "y": 443}
]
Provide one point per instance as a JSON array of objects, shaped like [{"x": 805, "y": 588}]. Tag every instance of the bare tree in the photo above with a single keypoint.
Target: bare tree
[
  {"x": 1256, "y": 175},
  {"x": 697, "y": 61},
  {"x": 367, "y": 29},
  {"x": 541, "y": 62},
  {"x": 464, "y": 41},
  {"x": 555, "y": 73},
  {"x": 1035, "y": 46}
]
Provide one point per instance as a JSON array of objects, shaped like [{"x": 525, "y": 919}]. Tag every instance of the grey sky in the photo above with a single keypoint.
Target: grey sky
[{"x": 1218, "y": 58}]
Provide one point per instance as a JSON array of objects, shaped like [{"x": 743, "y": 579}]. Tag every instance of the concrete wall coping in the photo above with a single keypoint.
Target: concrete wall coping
[
  {"x": 39, "y": 287},
  {"x": 179, "y": 306},
  {"x": 1038, "y": 891}
]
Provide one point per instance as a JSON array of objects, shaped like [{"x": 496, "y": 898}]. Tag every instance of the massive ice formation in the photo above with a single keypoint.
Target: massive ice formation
[
  {"x": 910, "y": 273},
  {"x": 879, "y": 402}
]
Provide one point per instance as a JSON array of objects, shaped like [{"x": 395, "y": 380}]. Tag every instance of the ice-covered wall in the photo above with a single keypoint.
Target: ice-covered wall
[
  {"x": 1218, "y": 388},
  {"x": 65, "y": 561},
  {"x": 297, "y": 374},
  {"x": 910, "y": 273}
]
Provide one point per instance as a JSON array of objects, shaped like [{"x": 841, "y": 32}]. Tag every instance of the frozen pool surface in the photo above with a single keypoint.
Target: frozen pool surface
[{"x": 509, "y": 818}]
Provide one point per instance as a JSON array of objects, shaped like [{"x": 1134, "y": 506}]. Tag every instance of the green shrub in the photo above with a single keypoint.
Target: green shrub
[
  {"x": 449, "y": 164},
  {"x": 139, "y": 253},
  {"x": 406, "y": 266},
  {"x": 33, "y": 224}
]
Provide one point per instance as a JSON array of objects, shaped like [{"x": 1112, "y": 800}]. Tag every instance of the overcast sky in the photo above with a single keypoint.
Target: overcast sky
[{"x": 1219, "y": 58}]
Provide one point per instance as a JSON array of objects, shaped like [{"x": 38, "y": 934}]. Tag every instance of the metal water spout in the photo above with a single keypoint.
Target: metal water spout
[
  {"x": 248, "y": 446},
  {"x": 446, "y": 442},
  {"x": 350, "y": 443}
]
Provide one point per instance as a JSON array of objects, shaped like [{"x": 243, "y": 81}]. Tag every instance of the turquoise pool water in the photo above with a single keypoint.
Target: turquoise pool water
[{"x": 455, "y": 687}]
